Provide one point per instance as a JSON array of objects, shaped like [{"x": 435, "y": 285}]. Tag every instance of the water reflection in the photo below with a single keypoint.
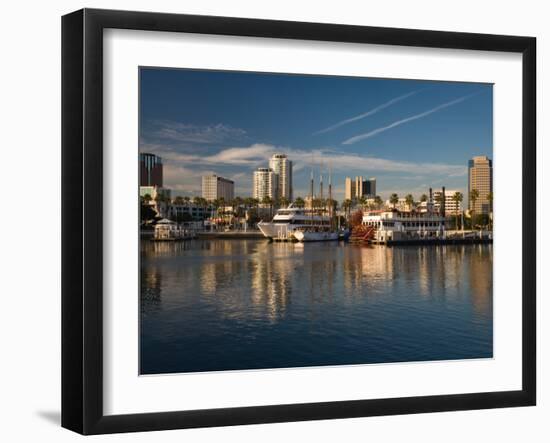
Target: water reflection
[{"x": 237, "y": 304}]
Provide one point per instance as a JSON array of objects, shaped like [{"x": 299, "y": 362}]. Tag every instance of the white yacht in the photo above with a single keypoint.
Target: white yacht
[
  {"x": 314, "y": 234},
  {"x": 289, "y": 220}
]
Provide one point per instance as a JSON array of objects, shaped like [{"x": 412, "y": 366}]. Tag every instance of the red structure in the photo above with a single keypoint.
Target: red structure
[
  {"x": 150, "y": 170},
  {"x": 362, "y": 234}
]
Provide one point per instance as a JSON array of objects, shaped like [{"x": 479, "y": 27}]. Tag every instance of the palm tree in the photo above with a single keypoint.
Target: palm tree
[
  {"x": 409, "y": 200},
  {"x": 363, "y": 201},
  {"x": 474, "y": 196},
  {"x": 378, "y": 201},
  {"x": 159, "y": 198},
  {"x": 346, "y": 206},
  {"x": 186, "y": 199},
  {"x": 299, "y": 202},
  {"x": 219, "y": 203},
  {"x": 440, "y": 198},
  {"x": 424, "y": 198},
  {"x": 490, "y": 200},
  {"x": 394, "y": 199},
  {"x": 178, "y": 200},
  {"x": 267, "y": 200},
  {"x": 332, "y": 204},
  {"x": 317, "y": 203},
  {"x": 283, "y": 202},
  {"x": 457, "y": 199}
]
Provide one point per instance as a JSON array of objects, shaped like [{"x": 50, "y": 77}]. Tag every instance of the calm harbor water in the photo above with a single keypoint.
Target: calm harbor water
[{"x": 209, "y": 305}]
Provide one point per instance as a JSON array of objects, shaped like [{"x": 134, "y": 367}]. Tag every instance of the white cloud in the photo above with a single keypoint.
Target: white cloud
[
  {"x": 376, "y": 131},
  {"x": 182, "y": 179},
  {"x": 195, "y": 134},
  {"x": 183, "y": 171},
  {"x": 257, "y": 154},
  {"x": 366, "y": 114}
]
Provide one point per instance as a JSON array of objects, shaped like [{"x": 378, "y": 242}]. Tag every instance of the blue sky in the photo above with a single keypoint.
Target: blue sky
[{"x": 408, "y": 134}]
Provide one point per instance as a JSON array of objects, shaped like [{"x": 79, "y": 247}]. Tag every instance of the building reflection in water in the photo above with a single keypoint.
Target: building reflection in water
[
  {"x": 481, "y": 279},
  {"x": 242, "y": 304},
  {"x": 150, "y": 289},
  {"x": 365, "y": 268},
  {"x": 272, "y": 275},
  {"x": 269, "y": 272}
]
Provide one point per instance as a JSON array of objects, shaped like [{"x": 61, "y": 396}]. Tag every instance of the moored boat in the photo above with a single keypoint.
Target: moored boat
[
  {"x": 288, "y": 220},
  {"x": 304, "y": 235}
]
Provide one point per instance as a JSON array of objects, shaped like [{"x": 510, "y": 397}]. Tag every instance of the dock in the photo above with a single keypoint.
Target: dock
[
  {"x": 234, "y": 235},
  {"x": 434, "y": 241}
]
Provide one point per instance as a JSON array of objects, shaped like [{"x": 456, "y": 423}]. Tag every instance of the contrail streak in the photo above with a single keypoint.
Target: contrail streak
[
  {"x": 366, "y": 114},
  {"x": 372, "y": 133}
]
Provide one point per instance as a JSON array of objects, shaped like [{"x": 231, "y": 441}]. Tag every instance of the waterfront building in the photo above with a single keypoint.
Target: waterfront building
[
  {"x": 359, "y": 187},
  {"x": 451, "y": 207},
  {"x": 389, "y": 226},
  {"x": 150, "y": 170},
  {"x": 480, "y": 177},
  {"x": 155, "y": 192},
  {"x": 215, "y": 187},
  {"x": 401, "y": 205},
  {"x": 265, "y": 184},
  {"x": 168, "y": 230},
  {"x": 159, "y": 198},
  {"x": 189, "y": 210},
  {"x": 282, "y": 167}
]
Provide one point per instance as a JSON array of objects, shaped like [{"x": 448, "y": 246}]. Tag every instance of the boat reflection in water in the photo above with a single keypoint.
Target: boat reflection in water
[{"x": 210, "y": 305}]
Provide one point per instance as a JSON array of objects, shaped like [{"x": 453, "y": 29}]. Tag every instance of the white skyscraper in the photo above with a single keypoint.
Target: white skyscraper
[
  {"x": 265, "y": 184},
  {"x": 282, "y": 167},
  {"x": 214, "y": 187}
]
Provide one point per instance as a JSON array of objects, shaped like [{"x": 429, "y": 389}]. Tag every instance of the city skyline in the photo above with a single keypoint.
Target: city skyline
[{"x": 410, "y": 135}]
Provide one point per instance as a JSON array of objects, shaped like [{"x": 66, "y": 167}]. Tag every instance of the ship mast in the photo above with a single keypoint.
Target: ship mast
[
  {"x": 311, "y": 195},
  {"x": 321, "y": 182},
  {"x": 330, "y": 206}
]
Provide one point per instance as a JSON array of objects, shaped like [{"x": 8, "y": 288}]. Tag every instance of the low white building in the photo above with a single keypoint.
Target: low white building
[
  {"x": 404, "y": 225},
  {"x": 168, "y": 230},
  {"x": 451, "y": 207},
  {"x": 196, "y": 212}
]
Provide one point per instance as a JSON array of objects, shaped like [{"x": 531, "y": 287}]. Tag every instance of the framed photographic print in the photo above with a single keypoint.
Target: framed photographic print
[{"x": 269, "y": 221}]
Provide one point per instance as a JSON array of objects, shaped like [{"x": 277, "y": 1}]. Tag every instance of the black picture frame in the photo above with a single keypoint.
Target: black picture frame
[{"x": 82, "y": 231}]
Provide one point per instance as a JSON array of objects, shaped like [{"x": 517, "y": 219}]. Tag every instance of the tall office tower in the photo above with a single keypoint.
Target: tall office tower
[
  {"x": 358, "y": 187},
  {"x": 265, "y": 184},
  {"x": 150, "y": 170},
  {"x": 349, "y": 189},
  {"x": 370, "y": 187},
  {"x": 282, "y": 166},
  {"x": 480, "y": 177},
  {"x": 214, "y": 187}
]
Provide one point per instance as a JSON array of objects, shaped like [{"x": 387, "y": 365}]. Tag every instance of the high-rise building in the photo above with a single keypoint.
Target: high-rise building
[
  {"x": 265, "y": 184},
  {"x": 282, "y": 166},
  {"x": 358, "y": 187},
  {"x": 480, "y": 178},
  {"x": 371, "y": 187},
  {"x": 150, "y": 170},
  {"x": 451, "y": 206},
  {"x": 215, "y": 187}
]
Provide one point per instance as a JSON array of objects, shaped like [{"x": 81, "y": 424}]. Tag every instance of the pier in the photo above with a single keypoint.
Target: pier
[{"x": 236, "y": 235}]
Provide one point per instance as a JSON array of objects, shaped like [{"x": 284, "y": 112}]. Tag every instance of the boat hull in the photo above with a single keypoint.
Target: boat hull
[
  {"x": 307, "y": 236},
  {"x": 277, "y": 231}
]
